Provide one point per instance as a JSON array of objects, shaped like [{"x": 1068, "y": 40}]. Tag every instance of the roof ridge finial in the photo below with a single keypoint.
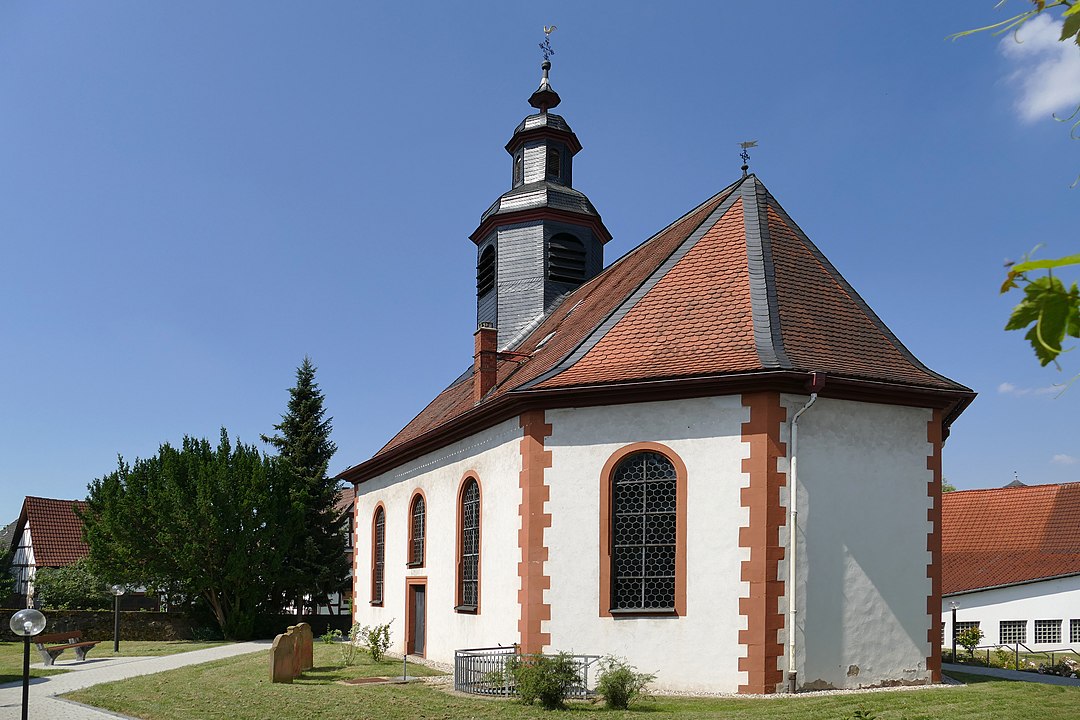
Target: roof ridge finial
[
  {"x": 745, "y": 155},
  {"x": 545, "y": 98}
]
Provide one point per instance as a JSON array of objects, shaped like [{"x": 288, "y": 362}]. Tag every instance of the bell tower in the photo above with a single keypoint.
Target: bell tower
[{"x": 542, "y": 238}]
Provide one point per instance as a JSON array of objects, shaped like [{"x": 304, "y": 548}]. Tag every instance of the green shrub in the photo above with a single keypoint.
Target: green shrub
[
  {"x": 331, "y": 636},
  {"x": 348, "y": 648},
  {"x": 970, "y": 638},
  {"x": 376, "y": 639},
  {"x": 74, "y": 587},
  {"x": 1004, "y": 658},
  {"x": 547, "y": 678},
  {"x": 620, "y": 683}
]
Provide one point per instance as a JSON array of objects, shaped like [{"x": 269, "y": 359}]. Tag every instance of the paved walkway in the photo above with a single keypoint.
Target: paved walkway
[
  {"x": 44, "y": 705},
  {"x": 1011, "y": 674}
]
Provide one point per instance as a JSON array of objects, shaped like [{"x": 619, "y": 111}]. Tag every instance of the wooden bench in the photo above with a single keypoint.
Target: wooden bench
[{"x": 69, "y": 640}]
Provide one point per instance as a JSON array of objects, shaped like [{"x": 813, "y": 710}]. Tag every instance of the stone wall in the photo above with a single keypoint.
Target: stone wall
[{"x": 98, "y": 624}]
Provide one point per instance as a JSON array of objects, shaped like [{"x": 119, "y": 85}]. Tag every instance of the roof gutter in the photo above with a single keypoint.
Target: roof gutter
[{"x": 512, "y": 403}]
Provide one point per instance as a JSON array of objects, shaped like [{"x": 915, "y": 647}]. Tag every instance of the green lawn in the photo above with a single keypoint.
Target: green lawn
[
  {"x": 11, "y": 655},
  {"x": 238, "y": 688}
]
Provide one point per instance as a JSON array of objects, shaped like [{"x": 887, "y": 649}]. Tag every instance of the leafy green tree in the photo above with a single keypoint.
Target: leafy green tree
[
  {"x": 947, "y": 486},
  {"x": 7, "y": 579},
  {"x": 1050, "y": 310},
  {"x": 196, "y": 520},
  {"x": 317, "y": 564},
  {"x": 74, "y": 587},
  {"x": 969, "y": 639}
]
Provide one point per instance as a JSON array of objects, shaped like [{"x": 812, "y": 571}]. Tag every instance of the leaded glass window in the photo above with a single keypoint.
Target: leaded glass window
[
  {"x": 644, "y": 505},
  {"x": 470, "y": 545},
  {"x": 378, "y": 561},
  {"x": 416, "y": 532}
]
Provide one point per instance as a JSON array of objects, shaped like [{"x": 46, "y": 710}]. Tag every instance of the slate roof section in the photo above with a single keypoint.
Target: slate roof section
[
  {"x": 732, "y": 288},
  {"x": 1009, "y": 536},
  {"x": 55, "y": 531}
]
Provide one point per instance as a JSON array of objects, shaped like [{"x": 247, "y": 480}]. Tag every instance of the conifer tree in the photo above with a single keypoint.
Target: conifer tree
[{"x": 316, "y": 564}]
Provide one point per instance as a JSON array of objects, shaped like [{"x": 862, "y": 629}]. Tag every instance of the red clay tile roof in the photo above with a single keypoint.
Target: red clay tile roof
[
  {"x": 1009, "y": 535},
  {"x": 732, "y": 287},
  {"x": 55, "y": 530}
]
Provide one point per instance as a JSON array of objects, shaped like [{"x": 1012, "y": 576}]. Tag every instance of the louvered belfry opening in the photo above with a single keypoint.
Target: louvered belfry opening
[
  {"x": 485, "y": 272},
  {"x": 566, "y": 259},
  {"x": 554, "y": 164}
]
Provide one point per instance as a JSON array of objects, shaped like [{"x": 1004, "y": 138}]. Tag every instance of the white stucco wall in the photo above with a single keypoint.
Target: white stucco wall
[
  {"x": 699, "y": 651},
  {"x": 494, "y": 456},
  {"x": 1057, "y": 599},
  {"x": 862, "y": 554}
]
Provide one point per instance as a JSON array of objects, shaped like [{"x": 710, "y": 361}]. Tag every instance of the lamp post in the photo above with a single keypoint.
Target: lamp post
[
  {"x": 118, "y": 590},
  {"x": 954, "y": 606},
  {"x": 26, "y": 623}
]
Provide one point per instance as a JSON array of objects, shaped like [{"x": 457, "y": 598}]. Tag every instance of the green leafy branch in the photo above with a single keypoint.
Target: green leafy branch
[
  {"x": 1049, "y": 308},
  {"x": 1070, "y": 30}
]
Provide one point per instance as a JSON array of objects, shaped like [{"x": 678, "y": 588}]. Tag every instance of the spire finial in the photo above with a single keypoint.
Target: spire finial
[
  {"x": 545, "y": 98},
  {"x": 545, "y": 47},
  {"x": 745, "y": 155}
]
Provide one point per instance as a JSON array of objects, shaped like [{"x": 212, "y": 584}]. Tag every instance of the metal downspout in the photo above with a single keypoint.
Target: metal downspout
[{"x": 817, "y": 381}]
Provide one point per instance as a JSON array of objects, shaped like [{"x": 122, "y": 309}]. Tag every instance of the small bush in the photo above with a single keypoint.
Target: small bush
[
  {"x": 376, "y": 639},
  {"x": 348, "y": 648},
  {"x": 547, "y": 678},
  {"x": 970, "y": 639},
  {"x": 331, "y": 636},
  {"x": 620, "y": 683},
  {"x": 1004, "y": 658}
]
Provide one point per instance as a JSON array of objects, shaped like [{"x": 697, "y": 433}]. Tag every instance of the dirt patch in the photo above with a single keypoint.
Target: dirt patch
[{"x": 366, "y": 681}]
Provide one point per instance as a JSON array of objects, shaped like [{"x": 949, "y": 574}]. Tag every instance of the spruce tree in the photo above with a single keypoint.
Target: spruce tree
[{"x": 316, "y": 564}]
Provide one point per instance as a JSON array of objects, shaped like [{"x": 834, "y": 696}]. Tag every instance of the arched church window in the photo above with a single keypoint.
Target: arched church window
[
  {"x": 469, "y": 547},
  {"x": 378, "y": 555},
  {"x": 485, "y": 271},
  {"x": 554, "y": 163},
  {"x": 416, "y": 531},
  {"x": 566, "y": 259},
  {"x": 644, "y": 522}
]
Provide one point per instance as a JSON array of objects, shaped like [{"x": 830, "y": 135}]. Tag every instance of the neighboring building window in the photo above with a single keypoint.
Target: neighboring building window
[
  {"x": 554, "y": 164},
  {"x": 960, "y": 627},
  {"x": 1074, "y": 631},
  {"x": 485, "y": 271},
  {"x": 566, "y": 259},
  {"x": 1048, "y": 631},
  {"x": 416, "y": 532},
  {"x": 469, "y": 548},
  {"x": 1012, "y": 631},
  {"x": 644, "y": 511},
  {"x": 378, "y": 556},
  {"x": 942, "y": 633}
]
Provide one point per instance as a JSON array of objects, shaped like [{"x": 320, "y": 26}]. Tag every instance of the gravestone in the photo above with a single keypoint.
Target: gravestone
[
  {"x": 282, "y": 658},
  {"x": 292, "y": 653},
  {"x": 305, "y": 643}
]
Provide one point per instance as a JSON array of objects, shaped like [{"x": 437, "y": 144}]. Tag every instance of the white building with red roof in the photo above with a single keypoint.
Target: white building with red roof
[
  {"x": 1011, "y": 563},
  {"x": 614, "y": 472},
  {"x": 48, "y": 533}
]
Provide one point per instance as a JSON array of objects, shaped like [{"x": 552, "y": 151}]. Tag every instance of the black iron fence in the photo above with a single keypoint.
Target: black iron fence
[{"x": 488, "y": 671}]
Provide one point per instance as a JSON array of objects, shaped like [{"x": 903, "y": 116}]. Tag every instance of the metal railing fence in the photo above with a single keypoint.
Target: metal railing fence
[{"x": 488, "y": 671}]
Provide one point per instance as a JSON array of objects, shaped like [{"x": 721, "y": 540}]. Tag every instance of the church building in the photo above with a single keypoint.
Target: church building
[{"x": 709, "y": 457}]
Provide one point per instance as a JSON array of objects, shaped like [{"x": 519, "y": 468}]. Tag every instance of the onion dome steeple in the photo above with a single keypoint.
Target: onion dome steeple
[{"x": 542, "y": 238}]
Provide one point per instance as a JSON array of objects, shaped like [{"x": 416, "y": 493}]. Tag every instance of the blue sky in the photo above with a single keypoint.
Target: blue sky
[{"x": 194, "y": 196}]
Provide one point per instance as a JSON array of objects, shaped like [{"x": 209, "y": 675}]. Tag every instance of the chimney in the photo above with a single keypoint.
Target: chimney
[{"x": 485, "y": 361}]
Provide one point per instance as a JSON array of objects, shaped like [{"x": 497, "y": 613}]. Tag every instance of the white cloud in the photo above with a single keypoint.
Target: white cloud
[
  {"x": 1007, "y": 388},
  {"x": 1063, "y": 459},
  {"x": 1046, "y": 70}
]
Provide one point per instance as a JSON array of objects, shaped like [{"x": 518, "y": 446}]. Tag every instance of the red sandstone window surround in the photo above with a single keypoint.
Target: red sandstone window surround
[
  {"x": 378, "y": 554},
  {"x": 468, "y": 574},
  {"x": 417, "y": 529},
  {"x": 643, "y": 532}
]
